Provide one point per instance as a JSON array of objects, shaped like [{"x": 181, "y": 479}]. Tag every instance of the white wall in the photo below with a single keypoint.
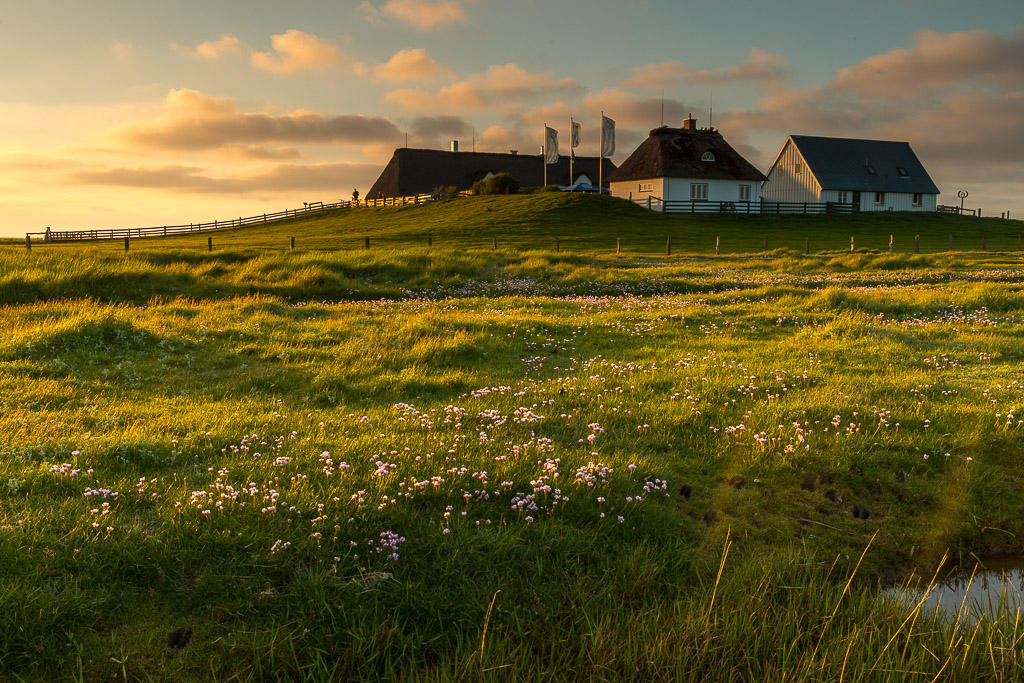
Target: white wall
[
  {"x": 632, "y": 189},
  {"x": 678, "y": 189},
  {"x": 784, "y": 184},
  {"x": 897, "y": 201}
]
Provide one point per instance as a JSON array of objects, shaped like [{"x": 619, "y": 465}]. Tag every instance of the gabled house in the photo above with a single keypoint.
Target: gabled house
[
  {"x": 686, "y": 164},
  {"x": 418, "y": 171},
  {"x": 873, "y": 175}
]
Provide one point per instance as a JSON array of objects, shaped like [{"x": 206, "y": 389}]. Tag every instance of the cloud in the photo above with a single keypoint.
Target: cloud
[
  {"x": 192, "y": 120},
  {"x": 497, "y": 87},
  {"x": 759, "y": 67},
  {"x": 226, "y": 45},
  {"x": 121, "y": 50},
  {"x": 938, "y": 60},
  {"x": 411, "y": 64},
  {"x": 324, "y": 177},
  {"x": 424, "y": 15},
  {"x": 296, "y": 50},
  {"x": 631, "y": 110},
  {"x": 433, "y": 127}
]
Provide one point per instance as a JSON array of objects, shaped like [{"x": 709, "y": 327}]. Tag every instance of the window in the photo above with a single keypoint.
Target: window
[
  {"x": 798, "y": 168},
  {"x": 870, "y": 169},
  {"x": 879, "y": 198},
  {"x": 698, "y": 191},
  {"x": 843, "y": 197},
  {"x": 902, "y": 171},
  {"x": 744, "y": 193},
  {"x": 647, "y": 187},
  {"x": 707, "y": 156},
  {"x": 918, "y": 199}
]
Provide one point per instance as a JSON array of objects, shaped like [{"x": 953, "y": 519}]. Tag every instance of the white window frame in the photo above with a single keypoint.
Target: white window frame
[
  {"x": 843, "y": 197},
  {"x": 698, "y": 192},
  {"x": 744, "y": 193},
  {"x": 879, "y": 198},
  {"x": 917, "y": 199},
  {"x": 647, "y": 187}
]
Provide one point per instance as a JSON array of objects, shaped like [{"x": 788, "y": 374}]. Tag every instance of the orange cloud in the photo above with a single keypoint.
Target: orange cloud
[
  {"x": 424, "y": 15},
  {"x": 497, "y": 87},
  {"x": 296, "y": 50},
  {"x": 192, "y": 120},
  {"x": 226, "y": 45},
  {"x": 759, "y": 66},
  {"x": 936, "y": 61},
  {"x": 411, "y": 64}
]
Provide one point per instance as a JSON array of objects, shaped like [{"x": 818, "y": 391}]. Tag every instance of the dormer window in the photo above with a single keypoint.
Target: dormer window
[
  {"x": 707, "y": 156},
  {"x": 870, "y": 169},
  {"x": 902, "y": 171}
]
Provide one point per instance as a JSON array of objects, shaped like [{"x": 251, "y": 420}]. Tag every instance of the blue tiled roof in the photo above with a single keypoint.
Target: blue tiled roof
[{"x": 847, "y": 164}]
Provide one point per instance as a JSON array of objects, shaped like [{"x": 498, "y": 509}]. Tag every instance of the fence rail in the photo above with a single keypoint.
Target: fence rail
[
  {"x": 165, "y": 230},
  {"x": 695, "y": 206}
]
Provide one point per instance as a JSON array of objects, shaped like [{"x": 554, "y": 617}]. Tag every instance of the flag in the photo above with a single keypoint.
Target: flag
[
  {"x": 550, "y": 145},
  {"x": 607, "y": 136},
  {"x": 575, "y": 134}
]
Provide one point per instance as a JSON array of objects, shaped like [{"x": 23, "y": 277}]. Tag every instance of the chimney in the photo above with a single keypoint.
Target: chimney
[
  {"x": 513, "y": 152},
  {"x": 690, "y": 123},
  {"x": 455, "y": 145}
]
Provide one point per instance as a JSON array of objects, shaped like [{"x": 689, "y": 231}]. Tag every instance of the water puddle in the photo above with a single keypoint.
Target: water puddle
[{"x": 989, "y": 588}]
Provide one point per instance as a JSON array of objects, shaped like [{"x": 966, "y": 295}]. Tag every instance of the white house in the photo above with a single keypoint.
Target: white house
[
  {"x": 686, "y": 164},
  {"x": 873, "y": 175}
]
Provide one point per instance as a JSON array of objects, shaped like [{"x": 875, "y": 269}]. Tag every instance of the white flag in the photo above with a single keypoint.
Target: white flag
[
  {"x": 607, "y": 136},
  {"x": 575, "y": 134},
  {"x": 550, "y": 145}
]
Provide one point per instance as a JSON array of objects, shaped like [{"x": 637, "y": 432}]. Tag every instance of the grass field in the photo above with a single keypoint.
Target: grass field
[{"x": 464, "y": 464}]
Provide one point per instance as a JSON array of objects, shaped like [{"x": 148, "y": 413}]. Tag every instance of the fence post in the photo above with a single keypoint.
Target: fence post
[
  {"x": 951, "y": 243},
  {"x": 718, "y": 243},
  {"x": 648, "y": 202},
  {"x": 917, "y": 244},
  {"x": 264, "y": 218},
  {"x": 1018, "y": 242},
  {"x": 890, "y": 244},
  {"x": 209, "y": 244},
  {"x": 984, "y": 242},
  {"x": 367, "y": 242},
  {"x": 293, "y": 243},
  {"x": 668, "y": 246},
  {"x": 765, "y": 247},
  {"x": 165, "y": 231},
  {"x": 126, "y": 242},
  {"x": 851, "y": 243},
  {"x": 556, "y": 245},
  {"x": 807, "y": 245},
  {"x": 494, "y": 243},
  {"x": 28, "y": 242},
  {"x": 618, "y": 245}
]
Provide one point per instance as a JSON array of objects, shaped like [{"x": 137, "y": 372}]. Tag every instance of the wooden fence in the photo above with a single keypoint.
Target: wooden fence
[
  {"x": 165, "y": 230},
  {"x": 694, "y": 206}
]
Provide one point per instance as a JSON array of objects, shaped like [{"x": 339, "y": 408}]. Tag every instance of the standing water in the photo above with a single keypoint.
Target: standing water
[{"x": 985, "y": 589}]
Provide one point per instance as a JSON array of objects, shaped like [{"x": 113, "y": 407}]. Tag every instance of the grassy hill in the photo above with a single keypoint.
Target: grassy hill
[
  {"x": 590, "y": 224},
  {"x": 466, "y": 464}
]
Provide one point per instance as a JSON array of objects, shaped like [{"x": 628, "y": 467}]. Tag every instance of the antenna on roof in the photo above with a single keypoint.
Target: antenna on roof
[
  {"x": 663, "y": 106},
  {"x": 711, "y": 111},
  {"x": 407, "y": 136}
]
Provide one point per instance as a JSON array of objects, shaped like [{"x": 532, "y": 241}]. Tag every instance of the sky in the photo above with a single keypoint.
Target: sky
[{"x": 130, "y": 114}]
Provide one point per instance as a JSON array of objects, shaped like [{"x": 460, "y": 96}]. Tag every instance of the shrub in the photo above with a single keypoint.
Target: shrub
[
  {"x": 501, "y": 183},
  {"x": 446, "y": 190}
]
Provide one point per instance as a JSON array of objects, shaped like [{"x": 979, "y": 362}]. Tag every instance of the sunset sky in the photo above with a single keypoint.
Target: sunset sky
[{"x": 125, "y": 114}]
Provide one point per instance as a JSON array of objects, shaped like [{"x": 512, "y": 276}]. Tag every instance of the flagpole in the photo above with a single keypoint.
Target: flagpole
[
  {"x": 600, "y": 158},
  {"x": 572, "y": 138},
  {"x": 544, "y": 154}
]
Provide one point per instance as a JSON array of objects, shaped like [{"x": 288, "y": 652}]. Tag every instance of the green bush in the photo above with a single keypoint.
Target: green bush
[
  {"x": 446, "y": 190},
  {"x": 501, "y": 183}
]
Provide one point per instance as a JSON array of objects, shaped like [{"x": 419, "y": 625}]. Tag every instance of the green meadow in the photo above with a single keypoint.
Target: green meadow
[{"x": 457, "y": 462}]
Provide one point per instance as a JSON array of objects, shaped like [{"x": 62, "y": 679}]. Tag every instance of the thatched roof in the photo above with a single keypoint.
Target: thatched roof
[
  {"x": 677, "y": 152},
  {"x": 419, "y": 171}
]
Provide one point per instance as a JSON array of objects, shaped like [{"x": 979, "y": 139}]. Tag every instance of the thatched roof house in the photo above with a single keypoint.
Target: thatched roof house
[
  {"x": 687, "y": 164},
  {"x": 419, "y": 171}
]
